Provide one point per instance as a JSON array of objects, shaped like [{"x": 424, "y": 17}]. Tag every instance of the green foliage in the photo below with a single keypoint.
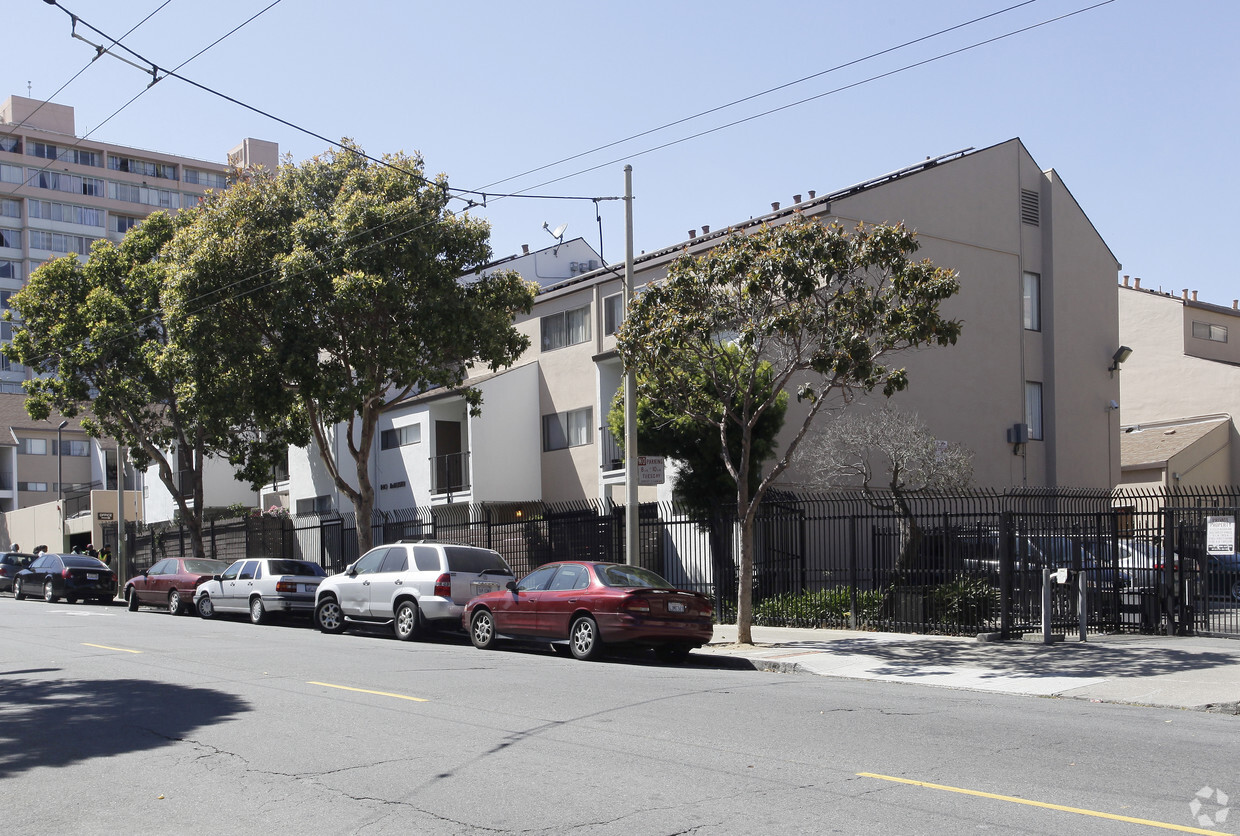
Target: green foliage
[
  {"x": 822, "y": 608},
  {"x": 969, "y": 600},
  {"x": 702, "y": 482}
]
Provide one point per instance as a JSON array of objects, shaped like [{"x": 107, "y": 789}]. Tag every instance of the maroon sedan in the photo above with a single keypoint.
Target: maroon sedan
[
  {"x": 582, "y": 606},
  {"x": 171, "y": 583}
]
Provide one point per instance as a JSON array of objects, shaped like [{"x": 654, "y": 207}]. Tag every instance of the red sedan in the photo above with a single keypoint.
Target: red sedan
[
  {"x": 582, "y": 606},
  {"x": 171, "y": 583}
]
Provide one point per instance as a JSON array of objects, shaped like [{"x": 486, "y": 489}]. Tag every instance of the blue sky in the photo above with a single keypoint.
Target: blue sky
[{"x": 1134, "y": 103}]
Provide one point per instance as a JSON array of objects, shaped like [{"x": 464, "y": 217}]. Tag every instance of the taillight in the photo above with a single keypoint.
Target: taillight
[
  {"x": 65, "y": 573},
  {"x": 286, "y": 586},
  {"x": 443, "y": 586},
  {"x": 636, "y": 604},
  {"x": 705, "y": 607}
]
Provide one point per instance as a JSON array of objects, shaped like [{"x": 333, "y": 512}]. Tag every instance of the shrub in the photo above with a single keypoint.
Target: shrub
[
  {"x": 968, "y": 600},
  {"x": 821, "y": 608}
]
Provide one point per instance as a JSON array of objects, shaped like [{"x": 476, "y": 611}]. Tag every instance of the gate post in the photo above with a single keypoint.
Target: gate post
[
  {"x": 1005, "y": 574},
  {"x": 852, "y": 572}
]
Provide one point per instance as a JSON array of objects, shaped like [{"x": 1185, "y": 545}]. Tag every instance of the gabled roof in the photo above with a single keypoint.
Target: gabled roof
[{"x": 1147, "y": 445}]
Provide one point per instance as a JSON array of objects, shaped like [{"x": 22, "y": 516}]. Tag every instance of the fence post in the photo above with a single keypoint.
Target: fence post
[
  {"x": 852, "y": 572},
  {"x": 1006, "y": 541}
]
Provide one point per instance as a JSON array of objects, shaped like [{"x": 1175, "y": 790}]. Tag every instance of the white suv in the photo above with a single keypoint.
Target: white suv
[{"x": 410, "y": 585}]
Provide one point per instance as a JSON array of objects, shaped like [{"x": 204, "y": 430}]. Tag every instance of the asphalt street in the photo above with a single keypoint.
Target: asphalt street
[{"x": 145, "y": 722}]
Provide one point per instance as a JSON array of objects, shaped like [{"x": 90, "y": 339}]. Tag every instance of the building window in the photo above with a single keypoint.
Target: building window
[
  {"x": 210, "y": 179},
  {"x": 1032, "y": 295},
  {"x": 1209, "y": 331},
  {"x": 568, "y": 429},
  {"x": 37, "y": 487},
  {"x": 78, "y": 156},
  {"x": 566, "y": 328},
  {"x": 131, "y": 193},
  {"x": 65, "y": 213},
  {"x": 315, "y": 505},
  {"x": 11, "y": 174},
  {"x": 10, "y": 208},
  {"x": 12, "y": 144},
  {"x": 70, "y": 183},
  {"x": 1033, "y": 409},
  {"x": 145, "y": 168},
  {"x": 7, "y": 365},
  {"x": 60, "y": 243},
  {"x": 124, "y": 223},
  {"x": 613, "y": 313},
  {"x": 399, "y": 437},
  {"x": 32, "y": 446},
  {"x": 10, "y": 269},
  {"x": 11, "y": 238},
  {"x": 72, "y": 448}
]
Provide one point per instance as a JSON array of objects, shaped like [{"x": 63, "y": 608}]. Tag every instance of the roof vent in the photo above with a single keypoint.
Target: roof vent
[
  {"x": 1030, "y": 210},
  {"x": 775, "y": 206}
]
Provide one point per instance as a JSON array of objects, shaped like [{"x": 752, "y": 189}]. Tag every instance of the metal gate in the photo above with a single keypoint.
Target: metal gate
[{"x": 1207, "y": 574}]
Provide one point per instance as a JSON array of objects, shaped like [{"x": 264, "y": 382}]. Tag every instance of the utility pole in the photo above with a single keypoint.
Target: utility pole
[
  {"x": 121, "y": 574},
  {"x": 631, "y": 543}
]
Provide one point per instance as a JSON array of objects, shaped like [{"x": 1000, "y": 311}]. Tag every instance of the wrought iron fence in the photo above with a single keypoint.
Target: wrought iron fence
[{"x": 957, "y": 563}]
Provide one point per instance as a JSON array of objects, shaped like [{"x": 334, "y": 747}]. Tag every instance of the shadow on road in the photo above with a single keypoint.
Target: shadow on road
[{"x": 59, "y": 722}]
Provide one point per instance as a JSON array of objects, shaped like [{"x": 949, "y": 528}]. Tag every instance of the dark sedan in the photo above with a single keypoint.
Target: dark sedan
[
  {"x": 10, "y": 564},
  {"x": 1222, "y": 576},
  {"x": 74, "y": 577},
  {"x": 171, "y": 583},
  {"x": 580, "y": 607}
]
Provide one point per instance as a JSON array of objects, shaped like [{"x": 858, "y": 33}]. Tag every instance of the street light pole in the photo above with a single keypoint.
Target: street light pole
[{"x": 60, "y": 484}]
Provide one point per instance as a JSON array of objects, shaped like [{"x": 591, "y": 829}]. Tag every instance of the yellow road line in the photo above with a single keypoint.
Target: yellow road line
[
  {"x": 105, "y": 647},
  {"x": 365, "y": 691},
  {"x": 1060, "y": 807}
]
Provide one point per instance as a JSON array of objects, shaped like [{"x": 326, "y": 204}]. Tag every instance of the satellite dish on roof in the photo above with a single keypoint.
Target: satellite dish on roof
[{"x": 557, "y": 233}]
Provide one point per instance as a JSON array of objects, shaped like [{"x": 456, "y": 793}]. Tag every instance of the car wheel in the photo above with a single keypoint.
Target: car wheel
[
  {"x": 583, "y": 639},
  {"x": 562, "y": 650},
  {"x": 174, "y": 602},
  {"x": 329, "y": 617},
  {"x": 206, "y": 607},
  {"x": 131, "y": 598},
  {"x": 482, "y": 630},
  {"x": 49, "y": 594},
  {"x": 1235, "y": 590},
  {"x": 18, "y": 595},
  {"x": 258, "y": 613},
  {"x": 673, "y": 653},
  {"x": 408, "y": 621}
]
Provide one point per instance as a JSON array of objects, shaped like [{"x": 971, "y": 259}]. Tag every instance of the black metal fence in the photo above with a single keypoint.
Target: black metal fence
[{"x": 955, "y": 563}]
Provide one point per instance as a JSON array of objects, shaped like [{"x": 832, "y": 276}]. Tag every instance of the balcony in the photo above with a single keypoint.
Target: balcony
[
  {"x": 451, "y": 473},
  {"x": 612, "y": 453}
]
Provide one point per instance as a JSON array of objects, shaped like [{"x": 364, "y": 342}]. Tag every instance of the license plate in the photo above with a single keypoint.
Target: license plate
[
  {"x": 92, "y": 576},
  {"x": 675, "y": 606},
  {"x": 481, "y": 588}
]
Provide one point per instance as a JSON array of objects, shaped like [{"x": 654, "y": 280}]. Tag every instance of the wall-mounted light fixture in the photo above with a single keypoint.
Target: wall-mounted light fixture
[{"x": 1121, "y": 354}]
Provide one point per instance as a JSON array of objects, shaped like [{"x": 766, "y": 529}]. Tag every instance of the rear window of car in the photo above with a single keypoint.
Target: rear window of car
[
  {"x": 83, "y": 562},
  {"x": 205, "y": 567},
  {"x": 295, "y": 567},
  {"x": 619, "y": 574},
  {"x": 474, "y": 561}
]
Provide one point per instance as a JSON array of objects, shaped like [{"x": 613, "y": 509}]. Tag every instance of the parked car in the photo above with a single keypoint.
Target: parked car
[
  {"x": 74, "y": 577},
  {"x": 10, "y": 564},
  {"x": 1222, "y": 576},
  {"x": 581, "y": 607},
  {"x": 171, "y": 583},
  {"x": 260, "y": 586},
  {"x": 412, "y": 586}
]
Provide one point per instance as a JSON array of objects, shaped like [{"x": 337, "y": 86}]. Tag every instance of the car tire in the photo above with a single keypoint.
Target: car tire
[
  {"x": 174, "y": 603},
  {"x": 18, "y": 595},
  {"x": 583, "y": 639},
  {"x": 205, "y": 607},
  {"x": 408, "y": 621},
  {"x": 482, "y": 630},
  {"x": 258, "y": 613},
  {"x": 672, "y": 653},
  {"x": 1235, "y": 590},
  {"x": 328, "y": 616},
  {"x": 49, "y": 593},
  {"x": 131, "y": 599}
]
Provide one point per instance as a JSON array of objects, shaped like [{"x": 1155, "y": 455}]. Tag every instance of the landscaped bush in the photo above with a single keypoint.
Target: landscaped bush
[
  {"x": 971, "y": 601},
  {"x": 822, "y": 608}
]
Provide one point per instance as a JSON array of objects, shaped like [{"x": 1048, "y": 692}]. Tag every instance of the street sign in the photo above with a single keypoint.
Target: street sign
[{"x": 650, "y": 470}]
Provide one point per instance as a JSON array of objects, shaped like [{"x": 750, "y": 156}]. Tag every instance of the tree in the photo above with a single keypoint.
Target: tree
[
  {"x": 96, "y": 336},
  {"x": 822, "y": 306},
  {"x": 702, "y": 483},
  {"x": 345, "y": 276},
  {"x": 892, "y": 450}
]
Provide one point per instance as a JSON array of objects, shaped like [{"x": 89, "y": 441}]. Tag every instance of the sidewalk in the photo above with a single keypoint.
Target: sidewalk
[{"x": 1166, "y": 671}]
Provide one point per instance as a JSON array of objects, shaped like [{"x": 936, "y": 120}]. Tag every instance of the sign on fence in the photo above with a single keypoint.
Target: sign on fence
[{"x": 1220, "y": 535}]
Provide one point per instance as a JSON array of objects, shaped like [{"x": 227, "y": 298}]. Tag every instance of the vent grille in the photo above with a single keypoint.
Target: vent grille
[{"x": 1029, "y": 209}]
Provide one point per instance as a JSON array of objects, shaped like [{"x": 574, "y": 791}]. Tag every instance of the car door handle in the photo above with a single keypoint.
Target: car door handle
[
  {"x": 399, "y": 582},
  {"x": 365, "y": 583}
]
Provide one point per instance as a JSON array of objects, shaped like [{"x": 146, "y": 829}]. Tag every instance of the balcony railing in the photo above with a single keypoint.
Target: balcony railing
[
  {"x": 451, "y": 473},
  {"x": 613, "y": 453}
]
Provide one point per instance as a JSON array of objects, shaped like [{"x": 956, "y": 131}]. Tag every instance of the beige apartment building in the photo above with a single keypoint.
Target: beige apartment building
[
  {"x": 59, "y": 193},
  {"x": 1181, "y": 388},
  {"x": 1028, "y": 387}
]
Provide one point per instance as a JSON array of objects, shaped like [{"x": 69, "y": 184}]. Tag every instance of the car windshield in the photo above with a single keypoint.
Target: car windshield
[
  {"x": 475, "y": 561},
  {"x": 83, "y": 562},
  {"x": 295, "y": 567},
  {"x": 205, "y": 567},
  {"x": 617, "y": 574}
]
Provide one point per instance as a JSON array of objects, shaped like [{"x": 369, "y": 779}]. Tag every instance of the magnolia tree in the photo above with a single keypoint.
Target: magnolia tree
[
  {"x": 344, "y": 276},
  {"x": 818, "y": 309},
  {"x": 891, "y": 456}
]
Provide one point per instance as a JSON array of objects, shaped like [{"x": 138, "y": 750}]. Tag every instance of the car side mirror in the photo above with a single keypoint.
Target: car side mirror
[
  {"x": 512, "y": 586},
  {"x": 351, "y": 570},
  {"x": 217, "y": 577}
]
